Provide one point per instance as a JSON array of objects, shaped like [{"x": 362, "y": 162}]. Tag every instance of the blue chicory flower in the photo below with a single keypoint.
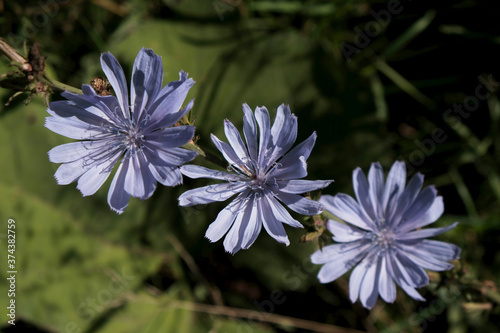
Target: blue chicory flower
[
  {"x": 139, "y": 136},
  {"x": 383, "y": 235},
  {"x": 265, "y": 174}
]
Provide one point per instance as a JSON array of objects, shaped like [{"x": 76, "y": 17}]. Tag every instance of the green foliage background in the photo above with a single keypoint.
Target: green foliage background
[{"x": 82, "y": 268}]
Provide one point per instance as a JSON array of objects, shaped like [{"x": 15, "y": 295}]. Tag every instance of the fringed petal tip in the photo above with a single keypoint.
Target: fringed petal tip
[
  {"x": 117, "y": 211},
  {"x": 183, "y": 76}
]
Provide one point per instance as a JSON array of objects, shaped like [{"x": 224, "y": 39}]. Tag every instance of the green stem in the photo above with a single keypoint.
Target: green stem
[
  {"x": 61, "y": 86},
  {"x": 404, "y": 84},
  {"x": 206, "y": 155},
  {"x": 326, "y": 214},
  {"x": 492, "y": 295}
]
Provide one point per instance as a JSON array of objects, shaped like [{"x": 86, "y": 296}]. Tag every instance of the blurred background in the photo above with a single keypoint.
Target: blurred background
[{"x": 378, "y": 81}]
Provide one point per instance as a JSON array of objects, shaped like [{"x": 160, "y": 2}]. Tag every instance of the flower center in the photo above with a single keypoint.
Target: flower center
[
  {"x": 258, "y": 181},
  {"x": 132, "y": 138},
  {"x": 384, "y": 238}
]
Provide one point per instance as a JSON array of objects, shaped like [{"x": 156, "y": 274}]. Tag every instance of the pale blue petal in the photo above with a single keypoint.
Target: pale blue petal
[
  {"x": 402, "y": 277},
  {"x": 431, "y": 215},
  {"x": 368, "y": 293},
  {"x": 110, "y": 106},
  {"x": 439, "y": 250},
  {"x": 69, "y": 172},
  {"x": 73, "y": 151},
  {"x": 171, "y": 137},
  {"x": 95, "y": 176},
  {"x": 117, "y": 197},
  {"x": 405, "y": 271},
  {"x": 234, "y": 138},
  {"x": 344, "y": 252},
  {"x": 114, "y": 72},
  {"x": 361, "y": 190},
  {"x": 424, "y": 259},
  {"x": 284, "y": 130},
  {"x": 171, "y": 86},
  {"x": 363, "y": 282},
  {"x": 89, "y": 114},
  {"x": 283, "y": 134},
  {"x": 394, "y": 186},
  {"x": 386, "y": 285},
  {"x": 262, "y": 117},
  {"x": 355, "y": 281},
  {"x": 169, "y": 102},
  {"x": 295, "y": 171},
  {"x": 302, "y": 186},
  {"x": 139, "y": 182},
  {"x": 407, "y": 199},
  {"x": 88, "y": 103},
  {"x": 420, "y": 206},
  {"x": 217, "y": 229},
  {"x": 347, "y": 209},
  {"x": 228, "y": 152},
  {"x": 147, "y": 78},
  {"x": 425, "y": 233},
  {"x": 73, "y": 128},
  {"x": 210, "y": 193},
  {"x": 253, "y": 226},
  {"x": 273, "y": 226},
  {"x": 197, "y": 171},
  {"x": 376, "y": 188},
  {"x": 172, "y": 157},
  {"x": 87, "y": 90},
  {"x": 169, "y": 119},
  {"x": 343, "y": 233},
  {"x": 342, "y": 259},
  {"x": 164, "y": 164},
  {"x": 234, "y": 238},
  {"x": 412, "y": 292},
  {"x": 300, "y": 204},
  {"x": 280, "y": 213},
  {"x": 165, "y": 175},
  {"x": 293, "y": 165},
  {"x": 250, "y": 132}
]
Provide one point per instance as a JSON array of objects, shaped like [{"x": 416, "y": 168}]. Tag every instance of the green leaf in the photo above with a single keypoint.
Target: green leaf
[{"x": 66, "y": 276}]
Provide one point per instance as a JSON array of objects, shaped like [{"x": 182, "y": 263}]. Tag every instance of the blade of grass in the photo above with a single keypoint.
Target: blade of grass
[
  {"x": 267, "y": 317},
  {"x": 404, "y": 84},
  {"x": 93, "y": 33},
  {"x": 464, "y": 32},
  {"x": 293, "y": 7},
  {"x": 378, "y": 97},
  {"x": 493, "y": 179},
  {"x": 464, "y": 193},
  {"x": 413, "y": 31},
  {"x": 494, "y": 107}
]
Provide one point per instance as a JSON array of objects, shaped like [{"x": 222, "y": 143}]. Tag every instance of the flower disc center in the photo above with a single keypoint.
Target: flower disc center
[{"x": 385, "y": 238}]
